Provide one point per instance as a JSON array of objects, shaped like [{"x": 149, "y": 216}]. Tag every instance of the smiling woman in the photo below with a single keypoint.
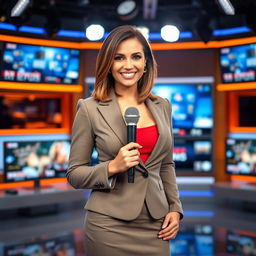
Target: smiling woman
[
  {"x": 125, "y": 218},
  {"x": 128, "y": 65}
]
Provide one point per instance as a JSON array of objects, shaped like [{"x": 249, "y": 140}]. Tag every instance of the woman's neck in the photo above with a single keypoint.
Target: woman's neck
[{"x": 129, "y": 95}]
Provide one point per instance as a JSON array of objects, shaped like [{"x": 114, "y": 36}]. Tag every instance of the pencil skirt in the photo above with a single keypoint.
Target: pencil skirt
[{"x": 107, "y": 236}]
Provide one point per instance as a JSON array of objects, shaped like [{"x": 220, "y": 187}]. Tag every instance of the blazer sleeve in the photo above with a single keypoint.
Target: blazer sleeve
[
  {"x": 80, "y": 174},
  {"x": 168, "y": 175}
]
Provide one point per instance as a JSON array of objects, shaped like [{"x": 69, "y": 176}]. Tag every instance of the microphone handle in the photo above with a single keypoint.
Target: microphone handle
[{"x": 131, "y": 137}]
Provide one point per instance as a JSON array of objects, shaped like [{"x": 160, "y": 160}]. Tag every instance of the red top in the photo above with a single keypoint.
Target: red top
[{"x": 147, "y": 138}]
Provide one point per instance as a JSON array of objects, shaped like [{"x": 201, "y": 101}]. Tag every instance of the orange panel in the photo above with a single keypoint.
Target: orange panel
[
  {"x": 236, "y": 86},
  {"x": 155, "y": 46},
  {"x": 30, "y": 183},
  {"x": 34, "y": 131},
  {"x": 54, "y": 43},
  {"x": 40, "y": 87},
  {"x": 243, "y": 178}
]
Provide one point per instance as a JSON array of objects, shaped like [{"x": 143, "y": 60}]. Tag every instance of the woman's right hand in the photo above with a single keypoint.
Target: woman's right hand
[{"x": 127, "y": 157}]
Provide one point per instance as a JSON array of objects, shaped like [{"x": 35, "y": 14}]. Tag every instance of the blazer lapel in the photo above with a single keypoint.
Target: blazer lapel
[{"x": 111, "y": 113}]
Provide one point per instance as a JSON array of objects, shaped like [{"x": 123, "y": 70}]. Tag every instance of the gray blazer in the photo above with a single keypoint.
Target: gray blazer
[{"x": 101, "y": 125}]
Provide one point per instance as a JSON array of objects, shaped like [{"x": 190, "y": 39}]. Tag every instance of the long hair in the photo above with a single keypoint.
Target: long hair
[{"x": 104, "y": 79}]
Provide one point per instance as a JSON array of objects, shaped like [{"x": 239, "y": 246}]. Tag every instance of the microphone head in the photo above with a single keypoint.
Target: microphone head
[{"x": 131, "y": 116}]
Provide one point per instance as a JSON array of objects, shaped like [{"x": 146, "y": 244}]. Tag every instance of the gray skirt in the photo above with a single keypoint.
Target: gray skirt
[{"x": 107, "y": 236}]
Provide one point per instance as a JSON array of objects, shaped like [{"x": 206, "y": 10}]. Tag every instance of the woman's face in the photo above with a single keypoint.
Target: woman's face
[{"x": 129, "y": 63}]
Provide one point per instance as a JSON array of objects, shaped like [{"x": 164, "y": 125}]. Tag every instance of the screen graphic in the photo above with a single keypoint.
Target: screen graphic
[
  {"x": 192, "y": 110},
  {"x": 32, "y": 160},
  {"x": 238, "y": 63},
  {"x": 40, "y": 64},
  {"x": 241, "y": 156}
]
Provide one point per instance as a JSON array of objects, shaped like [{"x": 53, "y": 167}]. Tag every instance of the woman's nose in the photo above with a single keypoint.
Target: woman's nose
[{"x": 128, "y": 63}]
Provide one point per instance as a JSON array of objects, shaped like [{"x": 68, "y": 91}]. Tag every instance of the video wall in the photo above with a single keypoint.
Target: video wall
[
  {"x": 61, "y": 245},
  {"x": 39, "y": 64},
  {"x": 238, "y": 63},
  {"x": 197, "y": 240},
  {"x": 192, "y": 121},
  {"x": 192, "y": 107},
  {"x": 241, "y": 156},
  {"x": 33, "y": 157}
]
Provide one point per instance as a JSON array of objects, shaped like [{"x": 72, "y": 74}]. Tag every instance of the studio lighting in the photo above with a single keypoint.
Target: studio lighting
[
  {"x": 19, "y": 7},
  {"x": 94, "y": 32},
  {"x": 227, "y": 7},
  {"x": 144, "y": 31},
  {"x": 170, "y": 33},
  {"x": 127, "y": 10}
]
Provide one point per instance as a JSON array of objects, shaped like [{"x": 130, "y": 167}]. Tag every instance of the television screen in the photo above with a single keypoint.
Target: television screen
[
  {"x": 238, "y": 63},
  {"x": 31, "y": 160},
  {"x": 241, "y": 156},
  {"x": 30, "y": 111},
  {"x": 63, "y": 245},
  {"x": 192, "y": 108},
  {"x": 194, "y": 241},
  {"x": 245, "y": 105},
  {"x": 39, "y": 64},
  {"x": 240, "y": 244},
  {"x": 192, "y": 155}
]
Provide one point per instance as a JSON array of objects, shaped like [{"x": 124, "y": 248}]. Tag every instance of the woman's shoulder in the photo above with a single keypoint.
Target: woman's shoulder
[
  {"x": 162, "y": 100},
  {"x": 88, "y": 103}
]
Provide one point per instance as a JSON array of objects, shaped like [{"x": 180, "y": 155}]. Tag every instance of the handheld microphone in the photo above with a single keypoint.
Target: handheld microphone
[{"x": 131, "y": 117}]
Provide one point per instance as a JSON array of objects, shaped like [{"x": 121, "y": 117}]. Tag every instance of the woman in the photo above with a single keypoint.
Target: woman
[{"x": 126, "y": 219}]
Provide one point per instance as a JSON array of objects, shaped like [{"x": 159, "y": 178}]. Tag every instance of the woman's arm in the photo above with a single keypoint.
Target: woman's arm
[
  {"x": 170, "y": 226},
  {"x": 80, "y": 174},
  {"x": 168, "y": 175}
]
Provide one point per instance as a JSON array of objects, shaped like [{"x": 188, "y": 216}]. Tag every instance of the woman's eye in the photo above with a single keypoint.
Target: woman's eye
[
  {"x": 137, "y": 57},
  {"x": 118, "y": 58}
]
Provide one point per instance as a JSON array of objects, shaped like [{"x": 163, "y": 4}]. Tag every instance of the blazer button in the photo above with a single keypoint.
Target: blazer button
[
  {"x": 97, "y": 185},
  {"x": 145, "y": 174}
]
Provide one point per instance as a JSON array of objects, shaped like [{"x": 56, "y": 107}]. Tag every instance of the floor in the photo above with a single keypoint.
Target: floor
[{"x": 207, "y": 230}]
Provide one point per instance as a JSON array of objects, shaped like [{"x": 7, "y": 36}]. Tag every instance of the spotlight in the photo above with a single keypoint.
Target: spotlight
[
  {"x": 94, "y": 32},
  {"x": 227, "y": 7},
  {"x": 144, "y": 31},
  {"x": 170, "y": 33},
  {"x": 19, "y": 7},
  {"x": 127, "y": 10}
]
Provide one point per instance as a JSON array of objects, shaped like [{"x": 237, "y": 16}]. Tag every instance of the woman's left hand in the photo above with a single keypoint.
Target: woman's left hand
[{"x": 170, "y": 226}]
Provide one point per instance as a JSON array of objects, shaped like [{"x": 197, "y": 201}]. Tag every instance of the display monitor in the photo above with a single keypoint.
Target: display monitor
[
  {"x": 245, "y": 106},
  {"x": 240, "y": 244},
  {"x": 238, "y": 63},
  {"x": 192, "y": 155},
  {"x": 194, "y": 241},
  {"x": 62, "y": 245},
  {"x": 192, "y": 108},
  {"x": 39, "y": 64},
  {"x": 241, "y": 156},
  {"x": 35, "y": 160}
]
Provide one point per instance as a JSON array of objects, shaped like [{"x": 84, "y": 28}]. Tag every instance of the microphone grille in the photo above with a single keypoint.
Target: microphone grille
[{"x": 131, "y": 115}]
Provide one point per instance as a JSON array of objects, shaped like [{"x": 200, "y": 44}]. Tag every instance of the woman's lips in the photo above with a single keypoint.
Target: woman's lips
[{"x": 128, "y": 75}]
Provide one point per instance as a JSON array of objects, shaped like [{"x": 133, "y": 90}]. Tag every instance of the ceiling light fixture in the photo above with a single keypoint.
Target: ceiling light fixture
[
  {"x": 170, "y": 33},
  {"x": 227, "y": 7},
  {"x": 127, "y": 10},
  {"x": 94, "y": 32},
  {"x": 19, "y": 7},
  {"x": 144, "y": 31}
]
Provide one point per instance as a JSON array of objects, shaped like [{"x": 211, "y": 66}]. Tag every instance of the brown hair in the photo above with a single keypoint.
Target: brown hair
[{"x": 104, "y": 79}]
